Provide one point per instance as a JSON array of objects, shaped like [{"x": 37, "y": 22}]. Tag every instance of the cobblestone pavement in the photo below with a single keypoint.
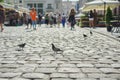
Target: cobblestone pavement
[{"x": 95, "y": 58}]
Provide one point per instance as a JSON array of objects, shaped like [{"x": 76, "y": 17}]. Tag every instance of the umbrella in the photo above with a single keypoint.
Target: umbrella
[
  {"x": 100, "y": 5},
  {"x": 7, "y": 5}
]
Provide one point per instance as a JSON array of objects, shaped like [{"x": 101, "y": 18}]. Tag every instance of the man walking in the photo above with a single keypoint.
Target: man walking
[
  {"x": 39, "y": 18},
  {"x": 33, "y": 15}
]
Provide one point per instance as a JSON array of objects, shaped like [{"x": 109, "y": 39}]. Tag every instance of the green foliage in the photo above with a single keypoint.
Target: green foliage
[
  {"x": 108, "y": 16},
  {"x": 1, "y": 0}
]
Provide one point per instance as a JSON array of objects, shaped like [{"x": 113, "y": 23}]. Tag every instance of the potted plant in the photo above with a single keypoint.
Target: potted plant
[{"x": 108, "y": 19}]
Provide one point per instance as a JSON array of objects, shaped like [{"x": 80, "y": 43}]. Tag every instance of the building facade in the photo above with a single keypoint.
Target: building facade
[
  {"x": 67, "y": 6},
  {"x": 41, "y": 6}
]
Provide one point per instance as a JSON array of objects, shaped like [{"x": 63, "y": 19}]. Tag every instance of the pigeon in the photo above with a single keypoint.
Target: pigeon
[
  {"x": 56, "y": 49},
  {"x": 91, "y": 33},
  {"x": 21, "y": 45},
  {"x": 84, "y": 35}
]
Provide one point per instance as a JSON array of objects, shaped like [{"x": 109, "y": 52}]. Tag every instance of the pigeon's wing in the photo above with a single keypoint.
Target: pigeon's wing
[
  {"x": 57, "y": 49},
  {"x": 19, "y": 45}
]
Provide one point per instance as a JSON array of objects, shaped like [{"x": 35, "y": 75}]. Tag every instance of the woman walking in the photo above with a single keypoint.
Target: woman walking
[
  {"x": 2, "y": 17},
  {"x": 71, "y": 19},
  {"x": 91, "y": 18},
  {"x": 59, "y": 20}
]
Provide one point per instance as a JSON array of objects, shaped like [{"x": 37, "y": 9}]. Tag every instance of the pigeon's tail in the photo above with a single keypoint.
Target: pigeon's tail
[{"x": 61, "y": 50}]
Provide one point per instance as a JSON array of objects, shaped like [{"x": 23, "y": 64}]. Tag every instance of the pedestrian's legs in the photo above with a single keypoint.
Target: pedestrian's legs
[
  {"x": 72, "y": 26},
  {"x": 40, "y": 22},
  {"x": 90, "y": 23},
  {"x": 1, "y": 27},
  {"x": 58, "y": 24},
  {"x": 64, "y": 24},
  {"x": 34, "y": 25}
]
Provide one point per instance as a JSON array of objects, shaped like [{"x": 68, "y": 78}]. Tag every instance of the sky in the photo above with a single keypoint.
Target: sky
[{"x": 70, "y": 0}]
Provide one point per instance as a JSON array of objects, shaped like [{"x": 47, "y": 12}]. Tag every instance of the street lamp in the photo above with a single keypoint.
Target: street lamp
[
  {"x": 104, "y": 9},
  {"x": 67, "y": 7},
  {"x": 119, "y": 12}
]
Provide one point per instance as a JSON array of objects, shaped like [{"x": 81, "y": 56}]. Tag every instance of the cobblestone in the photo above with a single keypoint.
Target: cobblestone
[
  {"x": 59, "y": 75},
  {"x": 34, "y": 76},
  {"x": 9, "y": 75},
  {"x": 46, "y": 70},
  {"x": 94, "y": 58}
]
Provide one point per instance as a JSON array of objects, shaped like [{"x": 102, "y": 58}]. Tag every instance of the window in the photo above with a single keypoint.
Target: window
[
  {"x": 20, "y": 1},
  {"x": 40, "y": 5},
  {"x": 29, "y": 5},
  {"x": 34, "y": 5},
  {"x": 49, "y": 6}
]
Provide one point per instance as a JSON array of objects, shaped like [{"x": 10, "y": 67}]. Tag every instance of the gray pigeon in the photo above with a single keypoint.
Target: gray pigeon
[
  {"x": 21, "y": 45},
  {"x": 56, "y": 49}
]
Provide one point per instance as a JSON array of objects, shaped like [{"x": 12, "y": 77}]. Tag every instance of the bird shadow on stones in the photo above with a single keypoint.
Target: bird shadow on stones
[{"x": 18, "y": 49}]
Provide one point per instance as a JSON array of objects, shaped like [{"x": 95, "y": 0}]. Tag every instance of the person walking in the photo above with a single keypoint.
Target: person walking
[
  {"x": 63, "y": 20},
  {"x": 54, "y": 20},
  {"x": 33, "y": 15},
  {"x": 71, "y": 19},
  {"x": 95, "y": 18},
  {"x": 2, "y": 17},
  {"x": 91, "y": 18},
  {"x": 51, "y": 19},
  {"x": 28, "y": 21},
  {"x": 46, "y": 20},
  {"x": 39, "y": 18},
  {"x": 59, "y": 19}
]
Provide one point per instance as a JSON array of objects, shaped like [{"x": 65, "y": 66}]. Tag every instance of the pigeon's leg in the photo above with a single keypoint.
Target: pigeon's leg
[
  {"x": 22, "y": 49},
  {"x": 84, "y": 38},
  {"x": 54, "y": 52}
]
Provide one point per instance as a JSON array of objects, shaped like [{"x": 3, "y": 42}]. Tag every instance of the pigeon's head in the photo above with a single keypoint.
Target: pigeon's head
[{"x": 52, "y": 44}]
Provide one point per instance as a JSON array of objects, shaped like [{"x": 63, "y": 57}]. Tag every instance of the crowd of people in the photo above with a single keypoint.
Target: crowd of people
[
  {"x": 50, "y": 19},
  {"x": 32, "y": 18}
]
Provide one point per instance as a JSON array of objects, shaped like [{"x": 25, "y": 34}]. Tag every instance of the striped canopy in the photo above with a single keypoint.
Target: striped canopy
[{"x": 100, "y": 5}]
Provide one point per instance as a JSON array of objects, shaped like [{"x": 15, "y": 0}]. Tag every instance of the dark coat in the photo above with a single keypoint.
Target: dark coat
[
  {"x": 2, "y": 15},
  {"x": 72, "y": 20}
]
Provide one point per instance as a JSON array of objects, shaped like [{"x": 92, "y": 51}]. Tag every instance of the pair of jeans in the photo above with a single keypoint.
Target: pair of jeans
[{"x": 34, "y": 24}]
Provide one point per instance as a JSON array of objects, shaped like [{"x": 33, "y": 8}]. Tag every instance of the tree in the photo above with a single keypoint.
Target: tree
[
  {"x": 108, "y": 16},
  {"x": 1, "y": 0},
  {"x": 108, "y": 19}
]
